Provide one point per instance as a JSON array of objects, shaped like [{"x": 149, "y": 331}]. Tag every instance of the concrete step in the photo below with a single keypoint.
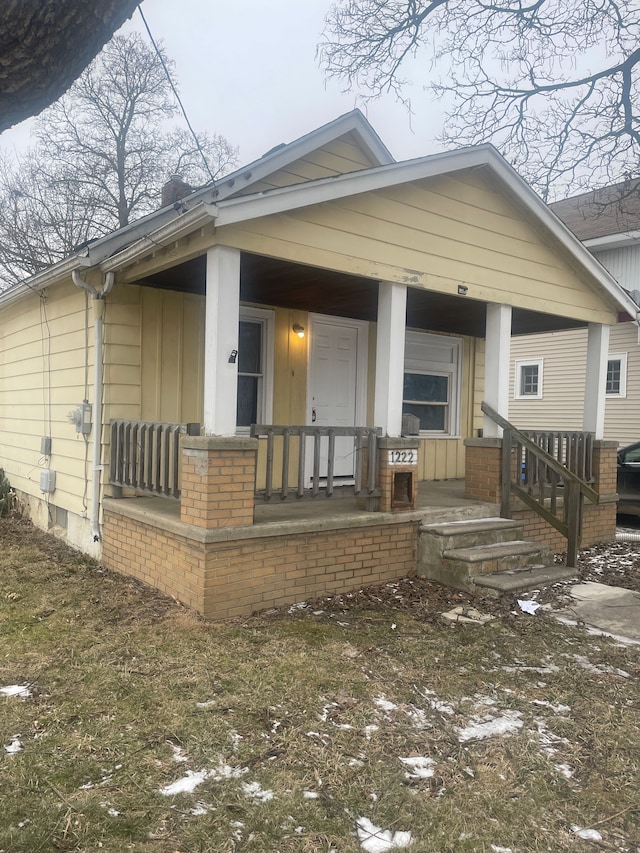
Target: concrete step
[
  {"x": 460, "y": 512},
  {"x": 499, "y": 556},
  {"x": 522, "y": 579},
  {"x": 436, "y": 539},
  {"x": 459, "y": 567}
]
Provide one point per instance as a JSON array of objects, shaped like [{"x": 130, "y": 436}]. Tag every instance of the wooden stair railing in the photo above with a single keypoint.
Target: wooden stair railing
[{"x": 560, "y": 492}]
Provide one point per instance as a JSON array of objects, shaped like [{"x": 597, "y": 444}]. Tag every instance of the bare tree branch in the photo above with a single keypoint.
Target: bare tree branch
[
  {"x": 553, "y": 83},
  {"x": 102, "y": 156}
]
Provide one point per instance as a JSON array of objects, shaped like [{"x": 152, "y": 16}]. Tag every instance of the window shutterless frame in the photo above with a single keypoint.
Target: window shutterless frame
[{"x": 255, "y": 368}]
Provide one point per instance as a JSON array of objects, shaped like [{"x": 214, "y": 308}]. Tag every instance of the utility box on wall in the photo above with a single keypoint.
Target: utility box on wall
[
  {"x": 80, "y": 417},
  {"x": 47, "y": 481}
]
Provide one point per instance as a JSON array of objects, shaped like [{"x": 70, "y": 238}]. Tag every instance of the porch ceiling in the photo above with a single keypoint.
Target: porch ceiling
[{"x": 269, "y": 281}]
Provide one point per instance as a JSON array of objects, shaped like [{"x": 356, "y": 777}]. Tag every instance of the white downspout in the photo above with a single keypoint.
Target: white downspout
[{"x": 98, "y": 303}]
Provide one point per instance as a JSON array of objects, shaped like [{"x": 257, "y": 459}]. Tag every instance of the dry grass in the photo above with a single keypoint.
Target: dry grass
[{"x": 325, "y": 700}]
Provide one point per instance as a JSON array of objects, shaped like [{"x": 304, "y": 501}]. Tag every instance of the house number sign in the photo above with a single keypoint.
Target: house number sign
[{"x": 402, "y": 457}]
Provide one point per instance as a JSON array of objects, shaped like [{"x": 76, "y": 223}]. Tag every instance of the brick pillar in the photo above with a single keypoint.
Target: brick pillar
[
  {"x": 599, "y": 522},
  {"x": 218, "y": 481},
  {"x": 605, "y": 467},
  {"x": 483, "y": 466},
  {"x": 398, "y": 477}
]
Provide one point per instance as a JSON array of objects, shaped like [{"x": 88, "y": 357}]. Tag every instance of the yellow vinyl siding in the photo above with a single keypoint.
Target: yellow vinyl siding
[
  {"x": 436, "y": 234},
  {"x": 42, "y": 374},
  {"x": 336, "y": 158},
  {"x": 172, "y": 356},
  {"x": 443, "y": 458}
]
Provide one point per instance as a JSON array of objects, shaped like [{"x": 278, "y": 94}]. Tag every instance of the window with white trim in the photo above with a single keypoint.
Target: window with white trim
[
  {"x": 255, "y": 368},
  {"x": 431, "y": 392},
  {"x": 617, "y": 375},
  {"x": 528, "y": 375}
]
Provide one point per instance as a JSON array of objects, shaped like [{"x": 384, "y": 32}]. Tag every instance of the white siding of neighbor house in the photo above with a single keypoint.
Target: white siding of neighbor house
[
  {"x": 564, "y": 362},
  {"x": 623, "y": 263}
]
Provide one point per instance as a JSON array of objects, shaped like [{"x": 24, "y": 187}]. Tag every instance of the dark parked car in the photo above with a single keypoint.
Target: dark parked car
[{"x": 629, "y": 479}]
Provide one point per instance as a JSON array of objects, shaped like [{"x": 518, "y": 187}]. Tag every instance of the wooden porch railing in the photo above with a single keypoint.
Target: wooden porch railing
[
  {"x": 145, "y": 455},
  {"x": 543, "y": 482},
  {"x": 309, "y": 467},
  {"x": 574, "y": 450}
]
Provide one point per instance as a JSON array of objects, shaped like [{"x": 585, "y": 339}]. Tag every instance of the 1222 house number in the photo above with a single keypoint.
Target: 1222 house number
[{"x": 403, "y": 457}]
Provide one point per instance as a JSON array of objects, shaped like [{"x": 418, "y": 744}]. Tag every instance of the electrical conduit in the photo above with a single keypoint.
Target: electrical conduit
[{"x": 98, "y": 303}]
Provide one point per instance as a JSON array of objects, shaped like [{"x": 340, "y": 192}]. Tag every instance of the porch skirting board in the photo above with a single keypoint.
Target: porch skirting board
[{"x": 237, "y": 571}]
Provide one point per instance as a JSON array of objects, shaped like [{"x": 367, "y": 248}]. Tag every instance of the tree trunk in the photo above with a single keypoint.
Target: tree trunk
[{"x": 46, "y": 44}]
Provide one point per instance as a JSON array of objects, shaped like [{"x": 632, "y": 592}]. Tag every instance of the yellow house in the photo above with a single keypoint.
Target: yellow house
[{"x": 324, "y": 285}]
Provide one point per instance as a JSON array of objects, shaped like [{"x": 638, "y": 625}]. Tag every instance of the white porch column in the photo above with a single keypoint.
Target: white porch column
[
  {"x": 596, "y": 379},
  {"x": 392, "y": 320},
  {"x": 222, "y": 313},
  {"x": 497, "y": 358}
]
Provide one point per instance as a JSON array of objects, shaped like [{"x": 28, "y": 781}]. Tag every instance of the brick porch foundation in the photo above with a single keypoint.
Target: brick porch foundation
[
  {"x": 483, "y": 457},
  {"x": 214, "y": 559}
]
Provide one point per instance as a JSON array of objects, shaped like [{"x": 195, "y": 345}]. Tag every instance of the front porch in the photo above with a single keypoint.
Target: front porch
[{"x": 224, "y": 551}]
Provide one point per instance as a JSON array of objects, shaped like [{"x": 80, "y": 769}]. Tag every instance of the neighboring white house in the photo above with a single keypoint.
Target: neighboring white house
[{"x": 544, "y": 366}]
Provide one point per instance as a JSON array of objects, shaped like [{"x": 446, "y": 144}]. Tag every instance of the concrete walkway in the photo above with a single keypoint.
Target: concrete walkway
[{"x": 610, "y": 609}]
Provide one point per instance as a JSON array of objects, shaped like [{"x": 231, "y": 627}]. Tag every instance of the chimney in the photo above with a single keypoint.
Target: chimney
[{"x": 174, "y": 190}]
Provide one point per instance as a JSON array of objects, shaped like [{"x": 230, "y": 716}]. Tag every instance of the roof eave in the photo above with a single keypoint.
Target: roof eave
[{"x": 613, "y": 241}]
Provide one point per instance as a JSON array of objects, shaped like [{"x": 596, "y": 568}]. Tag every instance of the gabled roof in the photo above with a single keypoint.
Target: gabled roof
[
  {"x": 124, "y": 247},
  {"x": 277, "y": 158},
  {"x": 608, "y": 216},
  {"x": 247, "y": 207},
  {"x": 282, "y": 155}
]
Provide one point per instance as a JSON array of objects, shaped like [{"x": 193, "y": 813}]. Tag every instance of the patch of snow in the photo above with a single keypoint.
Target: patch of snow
[
  {"x": 565, "y": 770},
  {"x": 384, "y": 704},
  {"x": 200, "y": 808},
  {"x": 206, "y": 704},
  {"x": 497, "y": 849},
  {"x": 255, "y": 791},
  {"x": 557, "y": 709},
  {"x": 370, "y": 730},
  {"x": 14, "y": 746},
  {"x": 548, "y": 740},
  {"x": 420, "y": 767},
  {"x": 479, "y": 729},
  {"x": 436, "y": 705},
  {"x": 193, "y": 778},
  {"x": 601, "y": 669},
  {"x": 311, "y": 795},
  {"x": 185, "y": 785},
  {"x": 373, "y": 839},
  {"x": 21, "y": 690},
  {"x": 586, "y": 834},
  {"x": 541, "y": 670},
  {"x": 177, "y": 754},
  {"x": 238, "y": 826}
]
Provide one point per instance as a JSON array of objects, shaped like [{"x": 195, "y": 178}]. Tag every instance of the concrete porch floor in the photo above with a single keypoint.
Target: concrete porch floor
[{"x": 438, "y": 500}]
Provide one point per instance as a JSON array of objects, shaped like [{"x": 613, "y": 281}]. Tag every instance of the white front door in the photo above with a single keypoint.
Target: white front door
[{"x": 337, "y": 384}]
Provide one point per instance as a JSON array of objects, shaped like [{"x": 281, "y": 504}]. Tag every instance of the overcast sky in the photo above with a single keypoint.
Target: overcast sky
[{"x": 247, "y": 70}]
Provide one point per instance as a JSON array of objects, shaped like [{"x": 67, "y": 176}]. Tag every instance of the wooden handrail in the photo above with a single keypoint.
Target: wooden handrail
[
  {"x": 575, "y": 489},
  {"x": 560, "y": 469}
]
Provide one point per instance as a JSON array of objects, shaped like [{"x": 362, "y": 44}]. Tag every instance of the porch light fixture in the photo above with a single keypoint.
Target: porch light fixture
[
  {"x": 298, "y": 330},
  {"x": 462, "y": 290}
]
